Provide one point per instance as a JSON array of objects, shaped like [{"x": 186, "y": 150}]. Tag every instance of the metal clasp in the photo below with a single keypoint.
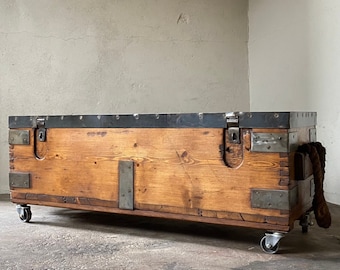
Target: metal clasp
[
  {"x": 41, "y": 134},
  {"x": 233, "y": 128}
]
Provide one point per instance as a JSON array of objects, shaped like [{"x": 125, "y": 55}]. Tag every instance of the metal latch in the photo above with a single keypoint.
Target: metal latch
[
  {"x": 41, "y": 133},
  {"x": 233, "y": 128}
]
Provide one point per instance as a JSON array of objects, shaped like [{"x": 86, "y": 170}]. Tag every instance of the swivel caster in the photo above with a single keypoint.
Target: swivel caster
[
  {"x": 305, "y": 222},
  {"x": 24, "y": 212},
  {"x": 270, "y": 243}
]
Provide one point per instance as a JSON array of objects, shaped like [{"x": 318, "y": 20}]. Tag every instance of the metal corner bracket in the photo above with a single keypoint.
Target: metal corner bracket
[{"x": 19, "y": 180}]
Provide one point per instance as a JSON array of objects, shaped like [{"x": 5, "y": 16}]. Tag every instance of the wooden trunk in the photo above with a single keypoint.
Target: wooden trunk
[{"x": 223, "y": 168}]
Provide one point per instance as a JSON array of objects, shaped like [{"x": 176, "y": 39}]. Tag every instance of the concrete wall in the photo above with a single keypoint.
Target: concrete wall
[
  {"x": 294, "y": 63},
  {"x": 122, "y": 56}
]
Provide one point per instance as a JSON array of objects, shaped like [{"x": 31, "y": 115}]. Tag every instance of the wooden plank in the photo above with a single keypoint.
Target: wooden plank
[
  {"x": 223, "y": 218},
  {"x": 180, "y": 168}
]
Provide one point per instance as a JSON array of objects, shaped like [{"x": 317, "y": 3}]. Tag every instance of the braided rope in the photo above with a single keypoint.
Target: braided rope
[{"x": 317, "y": 155}]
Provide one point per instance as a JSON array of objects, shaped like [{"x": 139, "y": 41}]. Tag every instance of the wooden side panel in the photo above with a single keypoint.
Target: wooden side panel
[
  {"x": 198, "y": 178},
  {"x": 177, "y": 167},
  {"x": 77, "y": 162},
  {"x": 179, "y": 171}
]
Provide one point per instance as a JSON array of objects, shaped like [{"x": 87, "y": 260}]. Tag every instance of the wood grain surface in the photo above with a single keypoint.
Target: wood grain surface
[{"x": 177, "y": 171}]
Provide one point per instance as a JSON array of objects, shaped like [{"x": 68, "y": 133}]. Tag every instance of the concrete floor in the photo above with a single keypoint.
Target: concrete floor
[{"x": 67, "y": 239}]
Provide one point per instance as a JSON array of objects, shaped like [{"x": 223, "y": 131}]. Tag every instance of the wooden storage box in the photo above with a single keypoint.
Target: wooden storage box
[{"x": 223, "y": 168}]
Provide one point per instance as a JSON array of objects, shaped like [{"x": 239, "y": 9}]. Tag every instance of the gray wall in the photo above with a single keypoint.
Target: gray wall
[
  {"x": 123, "y": 56},
  {"x": 294, "y": 57}
]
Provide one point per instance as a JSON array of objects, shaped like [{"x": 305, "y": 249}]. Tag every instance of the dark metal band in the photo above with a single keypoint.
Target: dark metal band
[
  {"x": 277, "y": 119},
  {"x": 183, "y": 120}
]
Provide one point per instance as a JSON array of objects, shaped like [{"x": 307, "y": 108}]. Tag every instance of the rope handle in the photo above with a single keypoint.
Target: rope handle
[{"x": 317, "y": 155}]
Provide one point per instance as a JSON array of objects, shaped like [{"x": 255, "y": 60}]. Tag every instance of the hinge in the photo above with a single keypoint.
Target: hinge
[{"x": 233, "y": 128}]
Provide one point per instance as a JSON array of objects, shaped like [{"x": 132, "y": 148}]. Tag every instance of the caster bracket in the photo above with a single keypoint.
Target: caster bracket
[
  {"x": 270, "y": 242},
  {"x": 306, "y": 221}
]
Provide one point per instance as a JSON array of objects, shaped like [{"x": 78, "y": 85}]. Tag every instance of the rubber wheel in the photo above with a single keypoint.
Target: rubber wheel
[
  {"x": 269, "y": 250},
  {"x": 304, "y": 229},
  {"x": 304, "y": 223},
  {"x": 27, "y": 215}
]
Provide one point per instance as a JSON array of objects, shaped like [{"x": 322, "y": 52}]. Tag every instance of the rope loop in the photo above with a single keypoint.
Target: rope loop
[{"x": 317, "y": 155}]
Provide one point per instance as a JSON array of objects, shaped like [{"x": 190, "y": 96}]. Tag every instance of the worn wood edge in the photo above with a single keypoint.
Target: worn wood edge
[
  {"x": 56, "y": 199},
  {"x": 111, "y": 207},
  {"x": 305, "y": 205},
  {"x": 258, "y": 218}
]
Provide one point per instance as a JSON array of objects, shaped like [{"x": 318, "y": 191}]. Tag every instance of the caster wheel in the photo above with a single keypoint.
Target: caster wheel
[
  {"x": 268, "y": 248},
  {"x": 305, "y": 229},
  {"x": 25, "y": 215},
  {"x": 305, "y": 222}
]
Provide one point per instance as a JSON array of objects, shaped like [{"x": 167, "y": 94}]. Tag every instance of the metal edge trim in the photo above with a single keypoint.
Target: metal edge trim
[
  {"x": 274, "y": 199},
  {"x": 180, "y": 120},
  {"x": 19, "y": 180}
]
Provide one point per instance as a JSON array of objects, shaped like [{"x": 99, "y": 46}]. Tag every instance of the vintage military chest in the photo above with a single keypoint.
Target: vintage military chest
[{"x": 235, "y": 168}]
